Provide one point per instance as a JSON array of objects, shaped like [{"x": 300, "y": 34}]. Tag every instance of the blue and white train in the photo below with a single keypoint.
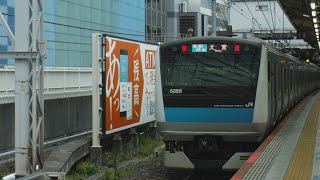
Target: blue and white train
[{"x": 222, "y": 95}]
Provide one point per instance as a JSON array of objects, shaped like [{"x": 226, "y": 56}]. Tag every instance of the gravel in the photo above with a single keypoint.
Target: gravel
[{"x": 153, "y": 169}]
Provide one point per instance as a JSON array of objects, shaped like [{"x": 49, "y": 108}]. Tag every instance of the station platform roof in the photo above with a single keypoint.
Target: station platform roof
[{"x": 299, "y": 13}]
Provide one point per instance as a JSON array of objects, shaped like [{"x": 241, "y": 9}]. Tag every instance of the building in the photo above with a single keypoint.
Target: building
[
  {"x": 69, "y": 25},
  {"x": 187, "y": 18},
  {"x": 7, "y": 8},
  {"x": 156, "y": 17}
]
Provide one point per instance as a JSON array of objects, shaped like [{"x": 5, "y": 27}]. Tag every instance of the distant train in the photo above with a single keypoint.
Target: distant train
[{"x": 222, "y": 95}]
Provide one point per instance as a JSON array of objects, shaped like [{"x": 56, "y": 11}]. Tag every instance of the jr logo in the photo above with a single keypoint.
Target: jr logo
[
  {"x": 249, "y": 104},
  {"x": 175, "y": 91}
]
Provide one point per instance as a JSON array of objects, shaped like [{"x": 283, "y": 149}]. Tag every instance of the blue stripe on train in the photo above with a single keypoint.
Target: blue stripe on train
[{"x": 219, "y": 115}]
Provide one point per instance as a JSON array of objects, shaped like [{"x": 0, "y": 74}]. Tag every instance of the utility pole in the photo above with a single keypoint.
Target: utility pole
[
  {"x": 29, "y": 98},
  {"x": 213, "y": 18}
]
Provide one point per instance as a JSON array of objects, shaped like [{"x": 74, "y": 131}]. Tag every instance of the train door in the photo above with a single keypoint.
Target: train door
[
  {"x": 296, "y": 84},
  {"x": 282, "y": 98},
  {"x": 286, "y": 94},
  {"x": 290, "y": 87},
  {"x": 293, "y": 86},
  {"x": 272, "y": 90},
  {"x": 278, "y": 90},
  {"x": 299, "y": 84}
]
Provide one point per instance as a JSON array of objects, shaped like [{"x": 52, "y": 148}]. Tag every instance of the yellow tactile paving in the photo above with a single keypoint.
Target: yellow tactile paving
[{"x": 301, "y": 163}]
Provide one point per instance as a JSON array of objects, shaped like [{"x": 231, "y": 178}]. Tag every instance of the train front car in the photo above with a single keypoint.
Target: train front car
[{"x": 209, "y": 88}]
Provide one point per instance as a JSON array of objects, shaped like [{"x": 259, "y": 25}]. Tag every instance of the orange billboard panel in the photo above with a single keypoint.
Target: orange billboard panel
[{"x": 129, "y": 83}]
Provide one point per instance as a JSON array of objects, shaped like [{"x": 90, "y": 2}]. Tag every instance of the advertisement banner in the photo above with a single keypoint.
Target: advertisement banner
[{"x": 128, "y": 76}]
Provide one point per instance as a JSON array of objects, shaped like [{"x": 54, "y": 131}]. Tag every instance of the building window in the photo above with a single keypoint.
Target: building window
[
  {"x": 148, "y": 3},
  {"x": 206, "y": 4},
  {"x": 155, "y": 20},
  {"x": 188, "y": 25},
  {"x": 261, "y": 7}
]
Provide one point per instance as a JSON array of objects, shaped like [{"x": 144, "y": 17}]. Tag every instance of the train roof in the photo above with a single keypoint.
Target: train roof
[{"x": 252, "y": 41}]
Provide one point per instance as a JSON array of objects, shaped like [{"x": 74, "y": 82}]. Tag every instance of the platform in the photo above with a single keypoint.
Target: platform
[{"x": 292, "y": 150}]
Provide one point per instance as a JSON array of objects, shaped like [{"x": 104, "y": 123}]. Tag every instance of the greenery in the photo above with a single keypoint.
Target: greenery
[
  {"x": 87, "y": 168},
  {"x": 112, "y": 159},
  {"x": 6, "y": 170},
  {"x": 83, "y": 170},
  {"x": 109, "y": 174},
  {"x": 147, "y": 145}
]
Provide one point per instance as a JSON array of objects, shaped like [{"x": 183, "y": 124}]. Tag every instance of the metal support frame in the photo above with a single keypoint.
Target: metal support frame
[
  {"x": 19, "y": 55},
  {"x": 96, "y": 149},
  {"x": 96, "y": 58},
  {"x": 213, "y": 18},
  {"x": 29, "y": 98},
  {"x": 7, "y": 28}
]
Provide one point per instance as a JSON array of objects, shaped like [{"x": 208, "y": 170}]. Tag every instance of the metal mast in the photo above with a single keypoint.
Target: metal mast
[
  {"x": 213, "y": 18},
  {"x": 29, "y": 99}
]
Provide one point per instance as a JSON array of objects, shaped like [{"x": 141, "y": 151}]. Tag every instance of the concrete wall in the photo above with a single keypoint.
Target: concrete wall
[{"x": 62, "y": 117}]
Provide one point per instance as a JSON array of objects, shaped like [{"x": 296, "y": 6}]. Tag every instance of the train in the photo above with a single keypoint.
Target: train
[{"x": 223, "y": 95}]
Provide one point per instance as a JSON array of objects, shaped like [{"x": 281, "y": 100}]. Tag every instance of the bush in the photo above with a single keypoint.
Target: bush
[
  {"x": 6, "y": 170},
  {"x": 147, "y": 145},
  {"x": 86, "y": 168},
  {"x": 109, "y": 174}
]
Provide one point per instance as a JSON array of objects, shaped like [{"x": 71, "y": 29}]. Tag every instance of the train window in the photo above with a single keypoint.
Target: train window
[
  {"x": 269, "y": 72},
  {"x": 220, "y": 71}
]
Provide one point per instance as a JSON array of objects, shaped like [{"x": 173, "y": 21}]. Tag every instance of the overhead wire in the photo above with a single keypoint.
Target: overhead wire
[
  {"x": 162, "y": 35},
  {"x": 258, "y": 24},
  {"x": 140, "y": 35},
  {"x": 278, "y": 39},
  {"x": 7, "y": 14},
  {"x": 251, "y": 12},
  {"x": 94, "y": 23},
  {"x": 264, "y": 14},
  {"x": 273, "y": 23}
]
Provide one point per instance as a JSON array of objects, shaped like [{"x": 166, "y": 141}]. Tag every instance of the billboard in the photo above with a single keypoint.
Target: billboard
[{"x": 128, "y": 75}]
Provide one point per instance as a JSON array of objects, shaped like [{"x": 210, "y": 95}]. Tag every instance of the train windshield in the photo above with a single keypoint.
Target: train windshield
[{"x": 222, "y": 70}]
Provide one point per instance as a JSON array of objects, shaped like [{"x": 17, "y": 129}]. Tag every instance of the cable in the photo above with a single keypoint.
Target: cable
[
  {"x": 68, "y": 42},
  {"x": 272, "y": 17},
  {"x": 90, "y": 29},
  {"x": 108, "y": 32},
  {"x": 92, "y": 22},
  {"x": 268, "y": 34},
  {"x": 251, "y": 13},
  {"x": 69, "y": 50},
  {"x": 264, "y": 14},
  {"x": 250, "y": 20},
  {"x": 99, "y": 30},
  {"x": 102, "y": 10},
  {"x": 7, "y": 14},
  {"x": 239, "y": 8}
]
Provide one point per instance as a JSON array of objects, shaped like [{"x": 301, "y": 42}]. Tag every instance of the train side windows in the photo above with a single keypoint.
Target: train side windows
[{"x": 269, "y": 72}]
